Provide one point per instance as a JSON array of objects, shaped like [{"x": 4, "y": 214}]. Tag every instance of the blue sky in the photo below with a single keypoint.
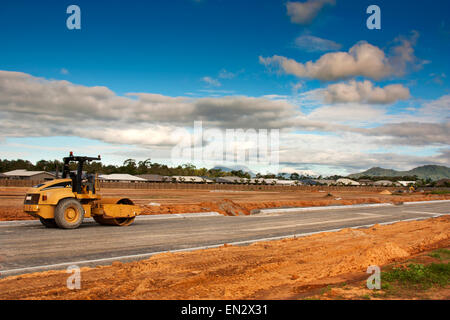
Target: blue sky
[{"x": 219, "y": 49}]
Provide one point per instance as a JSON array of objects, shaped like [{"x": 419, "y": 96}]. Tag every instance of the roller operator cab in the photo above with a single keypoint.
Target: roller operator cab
[{"x": 65, "y": 202}]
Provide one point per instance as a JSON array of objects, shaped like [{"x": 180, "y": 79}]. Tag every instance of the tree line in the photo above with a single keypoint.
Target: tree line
[
  {"x": 133, "y": 167},
  {"x": 129, "y": 166}
]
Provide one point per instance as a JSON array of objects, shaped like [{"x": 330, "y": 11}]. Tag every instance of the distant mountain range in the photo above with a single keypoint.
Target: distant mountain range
[{"x": 429, "y": 171}]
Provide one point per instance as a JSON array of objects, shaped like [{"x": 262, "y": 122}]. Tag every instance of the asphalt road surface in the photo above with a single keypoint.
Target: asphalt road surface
[{"x": 29, "y": 247}]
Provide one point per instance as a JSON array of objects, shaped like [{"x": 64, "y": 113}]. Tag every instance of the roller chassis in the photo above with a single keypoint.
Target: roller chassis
[{"x": 65, "y": 202}]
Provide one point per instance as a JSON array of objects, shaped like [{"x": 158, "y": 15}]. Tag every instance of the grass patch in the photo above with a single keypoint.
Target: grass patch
[
  {"x": 378, "y": 295},
  {"x": 440, "y": 192},
  {"x": 386, "y": 286},
  {"x": 441, "y": 254},
  {"x": 418, "y": 276},
  {"x": 326, "y": 289}
]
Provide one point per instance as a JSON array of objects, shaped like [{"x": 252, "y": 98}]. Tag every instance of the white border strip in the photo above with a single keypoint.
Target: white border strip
[
  {"x": 146, "y": 255},
  {"x": 430, "y": 201},
  {"x": 386, "y": 204},
  {"x": 178, "y": 215},
  {"x": 298, "y": 209}
]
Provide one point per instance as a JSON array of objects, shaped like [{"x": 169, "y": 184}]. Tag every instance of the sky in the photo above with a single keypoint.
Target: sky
[{"x": 132, "y": 82}]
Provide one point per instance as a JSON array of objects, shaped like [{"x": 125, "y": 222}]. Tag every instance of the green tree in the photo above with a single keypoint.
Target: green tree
[
  {"x": 295, "y": 176},
  {"x": 129, "y": 166},
  {"x": 144, "y": 166}
]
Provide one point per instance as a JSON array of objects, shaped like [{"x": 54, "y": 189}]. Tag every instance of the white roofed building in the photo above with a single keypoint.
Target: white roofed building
[
  {"x": 327, "y": 182},
  {"x": 230, "y": 179},
  {"x": 28, "y": 175},
  {"x": 120, "y": 177},
  {"x": 288, "y": 182},
  {"x": 384, "y": 183},
  {"x": 190, "y": 179},
  {"x": 407, "y": 183},
  {"x": 347, "y": 182}
]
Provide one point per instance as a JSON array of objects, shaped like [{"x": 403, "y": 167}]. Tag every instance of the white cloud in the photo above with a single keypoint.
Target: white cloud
[
  {"x": 147, "y": 136},
  {"x": 438, "y": 78},
  {"x": 313, "y": 44},
  {"x": 296, "y": 86},
  {"x": 364, "y": 92},
  {"x": 353, "y": 152},
  {"x": 36, "y": 107},
  {"x": 402, "y": 55},
  {"x": 363, "y": 59},
  {"x": 302, "y": 172},
  {"x": 211, "y": 81},
  {"x": 64, "y": 71},
  {"x": 305, "y": 12},
  {"x": 350, "y": 114},
  {"x": 411, "y": 133},
  {"x": 224, "y": 74},
  {"x": 439, "y": 107},
  {"x": 31, "y": 106}
]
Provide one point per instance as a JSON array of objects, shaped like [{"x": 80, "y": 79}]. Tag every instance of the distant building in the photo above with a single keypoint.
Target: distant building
[
  {"x": 28, "y": 175},
  {"x": 365, "y": 182},
  {"x": 309, "y": 182},
  {"x": 2, "y": 176},
  {"x": 288, "y": 182},
  {"x": 443, "y": 183},
  {"x": 326, "y": 182},
  {"x": 120, "y": 177},
  {"x": 387, "y": 183},
  {"x": 230, "y": 179},
  {"x": 262, "y": 181},
  {"x": 154, "y": 177},
  {"x": 190, "y": 179},
  {"x": 275, "y": 182},
  {"x": 347, "y": 182},
  {"x": 383, "y": 183},
  {"x": 407, "y": 183},
  {"x": 269, "y": 181}
]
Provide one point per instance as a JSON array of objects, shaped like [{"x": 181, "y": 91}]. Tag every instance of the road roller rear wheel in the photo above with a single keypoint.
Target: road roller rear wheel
[{"x": 69, "y": 214}]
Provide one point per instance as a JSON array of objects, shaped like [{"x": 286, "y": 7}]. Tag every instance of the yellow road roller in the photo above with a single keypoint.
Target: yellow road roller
[{"x": 65, "y": 202}]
